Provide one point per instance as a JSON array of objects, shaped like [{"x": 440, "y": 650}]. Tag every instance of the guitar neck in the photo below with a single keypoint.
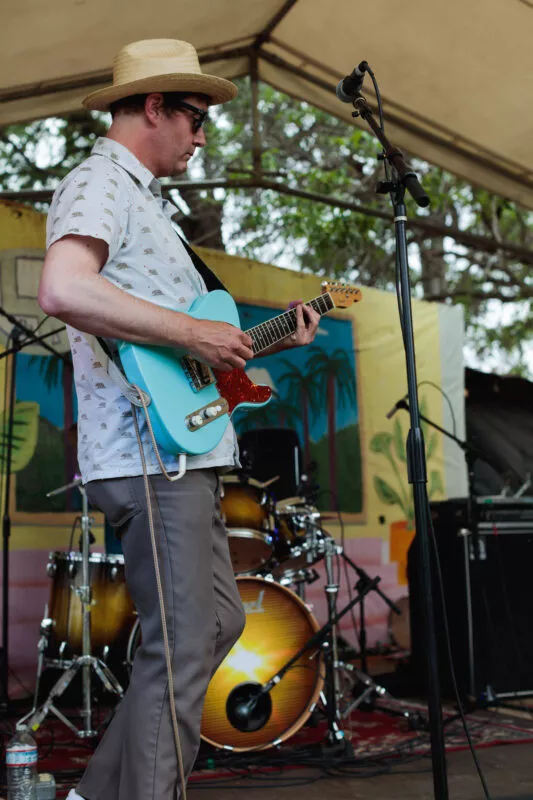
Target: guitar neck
[{"x": 274, "y": 330}]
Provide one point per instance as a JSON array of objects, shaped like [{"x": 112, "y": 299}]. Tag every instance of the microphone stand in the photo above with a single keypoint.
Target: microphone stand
[
  {"x": 19, "y": 330},
  {"x": 404, "y": 179},
  {"x": 364, "y": 579},
  {"x": 470, "y": 454}
]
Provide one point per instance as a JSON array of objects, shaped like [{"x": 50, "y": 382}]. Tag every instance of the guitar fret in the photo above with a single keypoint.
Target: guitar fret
[
  {"x": 259, "y": 338},
  {"x": 274, "y": 330}
]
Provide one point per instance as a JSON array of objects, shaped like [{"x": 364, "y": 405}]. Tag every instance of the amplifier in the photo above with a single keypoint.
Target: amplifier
[{"x": 488, "y": 595}]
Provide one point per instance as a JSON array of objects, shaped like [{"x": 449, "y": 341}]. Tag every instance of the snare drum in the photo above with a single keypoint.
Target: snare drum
[
  {"x": 112, "y": 611},
  {"x": 245, "y": 511}
]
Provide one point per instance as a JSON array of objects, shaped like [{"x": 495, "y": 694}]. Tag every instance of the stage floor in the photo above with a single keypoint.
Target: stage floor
[{"x": 508, "y": 772}]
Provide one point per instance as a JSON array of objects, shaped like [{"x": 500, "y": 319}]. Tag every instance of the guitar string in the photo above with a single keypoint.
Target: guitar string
[
  {"x": 284, "y": 325},
  {"x": 261, "y": 332}
]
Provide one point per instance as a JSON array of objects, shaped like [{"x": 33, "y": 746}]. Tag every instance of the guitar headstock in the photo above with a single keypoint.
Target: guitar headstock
[{"x": 341, "y": 294}]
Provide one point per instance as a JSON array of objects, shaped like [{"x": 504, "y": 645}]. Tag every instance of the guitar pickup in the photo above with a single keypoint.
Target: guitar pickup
[{"x": 203, "y": 416}]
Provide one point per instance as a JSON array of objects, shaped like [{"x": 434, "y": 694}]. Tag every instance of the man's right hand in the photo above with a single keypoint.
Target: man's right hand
[{"x": 220, "y": 345}]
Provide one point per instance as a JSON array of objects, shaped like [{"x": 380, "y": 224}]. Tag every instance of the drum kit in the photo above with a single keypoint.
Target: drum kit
[{"x": 283, "y": 665}]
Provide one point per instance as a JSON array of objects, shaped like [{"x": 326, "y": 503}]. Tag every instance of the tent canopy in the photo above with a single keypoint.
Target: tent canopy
[{"x": 453, "y": 75}]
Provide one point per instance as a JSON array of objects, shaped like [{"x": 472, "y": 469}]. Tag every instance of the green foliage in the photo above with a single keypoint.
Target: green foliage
[
  {"x": 304, "y": 148},
  {"x": 40, "y": 154}
]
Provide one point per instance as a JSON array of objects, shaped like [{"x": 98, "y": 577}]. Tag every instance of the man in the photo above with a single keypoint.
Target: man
[{"x": 116, "y": 268}]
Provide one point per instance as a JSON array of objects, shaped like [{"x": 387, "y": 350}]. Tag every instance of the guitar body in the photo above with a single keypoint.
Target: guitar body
[{"x": 159, "y": 372}]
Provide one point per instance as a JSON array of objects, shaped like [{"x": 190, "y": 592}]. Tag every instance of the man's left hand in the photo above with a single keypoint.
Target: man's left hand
[{"x": 307, "y": 321}]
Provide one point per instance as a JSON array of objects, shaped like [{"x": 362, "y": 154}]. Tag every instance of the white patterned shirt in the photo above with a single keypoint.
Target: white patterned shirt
[{"x": 112, "y": 196}]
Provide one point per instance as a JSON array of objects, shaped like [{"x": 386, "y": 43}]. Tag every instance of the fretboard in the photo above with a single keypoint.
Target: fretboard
[{"x": 278, "y": 328}]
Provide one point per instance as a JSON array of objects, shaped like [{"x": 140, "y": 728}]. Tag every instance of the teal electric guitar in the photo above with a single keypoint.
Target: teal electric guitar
[{"x": 191, "y": 404}]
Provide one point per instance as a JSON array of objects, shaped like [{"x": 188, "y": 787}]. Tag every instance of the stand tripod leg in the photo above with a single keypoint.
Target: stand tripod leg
[
  {"x": 108, "y": 679},
  {"x": 82, "y": 663},
  {"x": 46, "y": 626}
]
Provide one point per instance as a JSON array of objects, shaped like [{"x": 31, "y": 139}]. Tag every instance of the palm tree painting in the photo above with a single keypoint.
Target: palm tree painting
[
  {"x": 54, "y": 370},
  {"x": 314, "y": 394},
  {"x": 48, "y": 379},
  {"x": 280, "y": 412},
  {"x": 333, "y": 370},
  {"x": 300, "y": 383}
]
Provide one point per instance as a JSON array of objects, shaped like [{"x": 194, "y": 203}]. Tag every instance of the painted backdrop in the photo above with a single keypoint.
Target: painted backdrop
[{"x": 335, "y": 395}]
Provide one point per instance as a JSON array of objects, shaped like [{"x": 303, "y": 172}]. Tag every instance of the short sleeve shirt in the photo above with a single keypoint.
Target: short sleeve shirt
[{"x": 114, "y": 197}]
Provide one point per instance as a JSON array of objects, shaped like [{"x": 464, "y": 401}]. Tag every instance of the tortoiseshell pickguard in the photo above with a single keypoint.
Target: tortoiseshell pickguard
[{"x": 237, "y": 388}]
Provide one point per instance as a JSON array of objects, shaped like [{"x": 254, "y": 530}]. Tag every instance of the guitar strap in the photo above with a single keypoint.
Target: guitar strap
[{"x": 211, "y": 280}]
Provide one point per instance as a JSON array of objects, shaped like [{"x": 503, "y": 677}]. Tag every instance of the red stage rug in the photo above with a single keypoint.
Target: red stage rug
[{"x": 374, "y": 734}]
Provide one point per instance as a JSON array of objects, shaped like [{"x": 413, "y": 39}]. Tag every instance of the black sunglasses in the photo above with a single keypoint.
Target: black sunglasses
[{"x": 199, "y": 115}]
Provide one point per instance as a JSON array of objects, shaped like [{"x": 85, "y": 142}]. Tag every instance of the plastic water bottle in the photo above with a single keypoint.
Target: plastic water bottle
[{"x": 21, "y": 767}]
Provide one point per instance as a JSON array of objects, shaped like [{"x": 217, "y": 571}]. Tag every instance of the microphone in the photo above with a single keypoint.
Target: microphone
[
  {"x": 351, "y": 85},
  {"x": 396, "y": 407},
  {"x": 249, "y": 706}
]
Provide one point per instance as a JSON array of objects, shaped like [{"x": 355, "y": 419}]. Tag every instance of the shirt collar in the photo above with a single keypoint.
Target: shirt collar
[
  {"x": 124, "y": 158},
  {"x": 120, "y": 154}
]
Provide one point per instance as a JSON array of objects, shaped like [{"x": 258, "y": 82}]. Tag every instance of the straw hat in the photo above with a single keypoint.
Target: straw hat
[{"x": 159, "y": 65}]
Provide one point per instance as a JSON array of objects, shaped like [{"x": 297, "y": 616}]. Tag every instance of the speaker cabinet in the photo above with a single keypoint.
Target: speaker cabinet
[{"x": 489, "y": 601}]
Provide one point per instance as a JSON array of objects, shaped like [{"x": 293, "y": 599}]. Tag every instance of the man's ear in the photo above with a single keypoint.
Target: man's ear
[{"x": 154, "y": 107}]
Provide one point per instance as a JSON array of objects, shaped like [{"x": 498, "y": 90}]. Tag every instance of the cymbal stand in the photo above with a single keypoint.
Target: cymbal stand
[{"x": 86, "y": 662}]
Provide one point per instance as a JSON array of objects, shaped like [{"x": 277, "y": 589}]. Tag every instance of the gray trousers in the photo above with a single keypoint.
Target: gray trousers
[{"x": 136, "y": 759}]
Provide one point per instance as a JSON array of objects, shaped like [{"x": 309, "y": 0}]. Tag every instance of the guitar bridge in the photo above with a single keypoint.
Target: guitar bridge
[
  {"x": 199, "y": 375},
  {"x": 203, "y": 416}
]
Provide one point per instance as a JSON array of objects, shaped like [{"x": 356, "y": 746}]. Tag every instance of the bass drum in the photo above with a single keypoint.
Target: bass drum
[{"x": 278, "y": 624}]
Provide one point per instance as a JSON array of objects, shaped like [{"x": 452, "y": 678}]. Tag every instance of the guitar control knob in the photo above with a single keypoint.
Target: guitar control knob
[
  {"x": 197, "y": 420},
  {"x": 211, "y": 411}
]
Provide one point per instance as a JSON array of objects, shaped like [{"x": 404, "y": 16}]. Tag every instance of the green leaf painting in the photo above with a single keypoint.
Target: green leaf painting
[
  {"x": 435, "y": 483},
  {"x": 386, "y": 493},
  {"x": 25, "y": 427},
  {"x": 392, "y": 447},
  {"x": 399, "y": 443},
  {"x": 381, "y": 443}
]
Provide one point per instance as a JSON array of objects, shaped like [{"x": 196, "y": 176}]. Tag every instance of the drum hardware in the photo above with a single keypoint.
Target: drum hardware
[
  {"x": 84, "y": 662},
  {"x": 299, "y": 542},
  {"x": 299, "y": 579}
]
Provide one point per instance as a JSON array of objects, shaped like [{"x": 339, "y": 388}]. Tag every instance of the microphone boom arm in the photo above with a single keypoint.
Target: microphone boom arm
[{"x": 392, "y": 154}]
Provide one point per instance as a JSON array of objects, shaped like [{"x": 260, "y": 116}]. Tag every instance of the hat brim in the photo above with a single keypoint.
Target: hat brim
[{"x": 217, "y": 89}]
